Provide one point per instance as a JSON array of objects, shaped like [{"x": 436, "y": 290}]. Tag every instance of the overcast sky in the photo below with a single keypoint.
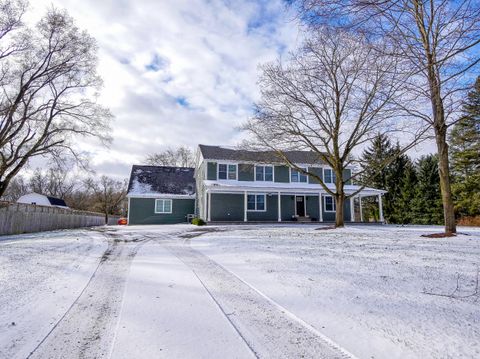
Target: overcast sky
[{"x": 177, "y": 72}]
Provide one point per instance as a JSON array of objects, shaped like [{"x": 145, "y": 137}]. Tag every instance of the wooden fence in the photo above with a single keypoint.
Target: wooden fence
[{"x": 16, "y": 218}]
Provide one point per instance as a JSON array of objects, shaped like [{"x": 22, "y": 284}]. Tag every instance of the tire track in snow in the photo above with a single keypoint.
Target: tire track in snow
[
  {"x": 86, "y": 328},
  {"x": 270, "y": 330}
]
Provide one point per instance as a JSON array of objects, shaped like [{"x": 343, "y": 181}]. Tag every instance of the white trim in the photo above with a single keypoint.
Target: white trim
[
  {"x": 263, "y": 165},
  {"x": 352, "y": 209},
  {"x": 209, "y": 206},
  {"x": 361, "y": 208},
  {"x": 325, "y": 204},
  {"x": 279, "y": 207},
  {"x": 380, "y": 208},
  {"x": 320, "y": 205},
  {"x": 300, "y": 188},
  {"x": 245, "y": 207},
  {"x": 304, "y": 204},
  {"x": 256, "y": 194},
  {"x": 161, "y": 195},
  {"x": 163, "y": 212},
  {"x": 227, "y": 164},
  {"x": 128, "y": 213},
  {"x": 331, "y": 176},
  {"x": 300, "y": 174}
]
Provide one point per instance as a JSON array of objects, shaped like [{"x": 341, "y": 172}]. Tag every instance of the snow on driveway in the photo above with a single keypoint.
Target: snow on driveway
[{"x": 239, "y": 292}]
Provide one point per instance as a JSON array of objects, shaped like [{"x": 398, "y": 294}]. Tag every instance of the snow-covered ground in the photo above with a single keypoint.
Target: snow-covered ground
[
  {"x": 365, "y": 286},
  {"x": 240, "y": 292}
]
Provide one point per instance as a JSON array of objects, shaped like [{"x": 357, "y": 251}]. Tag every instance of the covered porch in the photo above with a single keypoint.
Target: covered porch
[{"x": 267, "y": 204}]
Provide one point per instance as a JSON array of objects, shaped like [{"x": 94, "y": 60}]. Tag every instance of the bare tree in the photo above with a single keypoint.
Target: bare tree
[
  {"x": 17, "y": 188},
  {"x": 55, "y": 181},
  {"x": 440, "y": 41},
  {"x": 333, "y": 95},
  {"x": 179, "y": 157},
  {"x": 108, "y": 195},
  {"x": 49, "y": 86}
]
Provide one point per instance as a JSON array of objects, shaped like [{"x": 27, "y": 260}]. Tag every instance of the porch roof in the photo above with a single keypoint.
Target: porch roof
[{"x": 253, "y": 186}]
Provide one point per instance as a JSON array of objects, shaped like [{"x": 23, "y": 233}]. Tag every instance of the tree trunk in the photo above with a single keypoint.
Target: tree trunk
[
  {"x": 339, "y": 200},
  {"x": 106, "y": 218},
  {"x": 445, "y": 187},
  {"x": 3, "y": 187}
]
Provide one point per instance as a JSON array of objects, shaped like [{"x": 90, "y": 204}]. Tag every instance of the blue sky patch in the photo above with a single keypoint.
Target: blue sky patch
[
  {"x": 156, "y": 64},
  {"x": 182, "y": 101}
]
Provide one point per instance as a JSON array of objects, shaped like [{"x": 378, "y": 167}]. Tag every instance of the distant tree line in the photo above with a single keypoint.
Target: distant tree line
[{"x": 413, "y": 187}]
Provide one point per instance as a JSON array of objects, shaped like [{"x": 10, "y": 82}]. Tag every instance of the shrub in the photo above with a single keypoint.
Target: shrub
[{"x": 198, "y": 222}]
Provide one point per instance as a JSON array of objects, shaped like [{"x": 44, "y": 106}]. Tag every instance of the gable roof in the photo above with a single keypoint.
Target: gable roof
[
  {"x": 230, "y": 154},
  {"x": 161, "y": 180},
  {"x": 56, "y": 201}
]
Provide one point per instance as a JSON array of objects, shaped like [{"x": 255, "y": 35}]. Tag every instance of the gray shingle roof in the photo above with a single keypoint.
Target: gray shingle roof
[
  {"x": 161, "y": 179},
  {"x": 229, "y": 154}
]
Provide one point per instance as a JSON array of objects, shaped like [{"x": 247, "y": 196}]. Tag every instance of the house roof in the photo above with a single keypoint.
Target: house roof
[
  {"x": 154, "y": 180},
  {"x": 56, "y": 201},
  {"x": 231, "y": 154}
]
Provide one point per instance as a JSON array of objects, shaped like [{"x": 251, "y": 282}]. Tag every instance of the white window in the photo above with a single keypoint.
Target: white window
[
  {"x": 227, "y": 171},
  {"x": 297, "y": 176},
  {"x": 329, "y": 176},
  {"x": 256, "y": 203},
  {"x": 264, "y": 173},
  {"x": 329, "y": 204},
  {"x": 163, "y": 206}
]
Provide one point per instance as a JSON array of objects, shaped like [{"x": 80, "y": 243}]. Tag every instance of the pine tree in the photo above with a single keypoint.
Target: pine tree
[
  {"x": 390, "y": 178},
  {"x": 427, "y": 203},
  {"x": 465, "y": 154},
  {"x": 405, "y": 213}
]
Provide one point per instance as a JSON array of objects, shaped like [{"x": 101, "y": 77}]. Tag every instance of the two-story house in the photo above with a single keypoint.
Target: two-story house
[{"x": 234, "y": 185}]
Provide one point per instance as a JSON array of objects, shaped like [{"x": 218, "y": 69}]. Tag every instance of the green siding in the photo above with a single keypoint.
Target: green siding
[
  {"x": 226, "y": 207},
  {"x": 347, "y": 173},
  {"x": 211, "y": 170},
  {"x": 315, "y": 170},
  {"x": 313, "y": 207},
  {"x": 246, "y": 172},
  {"x": 282, "y": 174},
  {"x": 142, "y": 211},
  {"x": 288, "y": 208},
  {"x": 330, "y": 216},
  {"x": 271, "y": 214}
]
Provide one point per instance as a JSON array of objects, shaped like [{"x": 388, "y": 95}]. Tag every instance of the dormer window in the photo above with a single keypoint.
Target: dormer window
[
  {"x": 264, "y": 173},
  {"x": 297, "y": 176},
  {"x": 329, "y": 176},
  {"x": 227, "y": 171}
]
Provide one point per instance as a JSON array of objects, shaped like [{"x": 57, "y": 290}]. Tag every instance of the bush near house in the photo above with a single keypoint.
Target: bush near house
[{"x": 198, "y": 222}]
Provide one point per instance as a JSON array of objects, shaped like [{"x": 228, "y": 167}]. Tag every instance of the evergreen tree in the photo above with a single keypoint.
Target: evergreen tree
[
  {"x": 427, "y": 204},
  {"x": 373, "y": 157},
  {"x": 390, "y": 178},
  {"x": 465, "y": 155},
  {"x": 404, "y": 210}
]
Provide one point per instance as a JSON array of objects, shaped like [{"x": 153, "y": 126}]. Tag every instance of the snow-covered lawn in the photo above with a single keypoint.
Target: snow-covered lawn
[
  {"x": 365, "y": 286},
  {"x": 240, "y": 291}
]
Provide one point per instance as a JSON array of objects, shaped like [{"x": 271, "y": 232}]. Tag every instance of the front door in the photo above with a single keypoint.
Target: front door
[{"x": 300, "y": 205}]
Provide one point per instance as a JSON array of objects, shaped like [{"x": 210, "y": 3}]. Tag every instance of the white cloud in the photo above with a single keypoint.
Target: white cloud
[{"x": 177, "y": 72}]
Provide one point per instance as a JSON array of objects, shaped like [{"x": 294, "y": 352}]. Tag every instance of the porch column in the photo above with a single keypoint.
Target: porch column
[
  {"x": 209, "y": 206},
  {"x": 352, "y": 209},
  {"x": 245, "y": 207},
  {"x": 320, "y": 207},
  {"x": 361, "y": 208},
  {"x": 380, "y": 207},
  {"x": 279, "y": 207}
]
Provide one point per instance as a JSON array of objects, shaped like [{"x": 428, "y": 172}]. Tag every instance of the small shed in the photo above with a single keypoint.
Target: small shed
[{"x": 42, "y": 200}]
